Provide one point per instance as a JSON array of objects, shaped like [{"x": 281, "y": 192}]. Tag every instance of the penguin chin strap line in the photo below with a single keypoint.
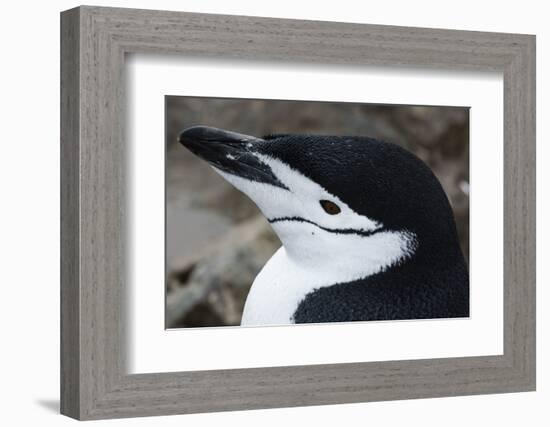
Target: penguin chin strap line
[{"x": 362, "y": 233}]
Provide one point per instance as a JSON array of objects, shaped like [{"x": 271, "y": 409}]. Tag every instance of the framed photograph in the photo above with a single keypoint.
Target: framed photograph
[{"x": 263, "y": 213}]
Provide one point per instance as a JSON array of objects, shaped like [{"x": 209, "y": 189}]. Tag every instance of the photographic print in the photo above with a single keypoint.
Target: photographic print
[{"x": 283, "y": 212}]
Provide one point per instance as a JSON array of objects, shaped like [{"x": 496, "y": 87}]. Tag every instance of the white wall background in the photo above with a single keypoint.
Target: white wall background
[{"x": 29, "y": 224}]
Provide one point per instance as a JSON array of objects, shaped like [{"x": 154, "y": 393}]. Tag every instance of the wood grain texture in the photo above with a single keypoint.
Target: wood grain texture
[
  {"x": 70, "y": 307},
  {"x": 94, "y": 381}
]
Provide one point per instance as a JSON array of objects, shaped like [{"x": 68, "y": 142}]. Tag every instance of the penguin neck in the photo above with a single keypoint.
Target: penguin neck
[
  {"x": 338, "y": 258},
  {"x": 305, "y": 264}
]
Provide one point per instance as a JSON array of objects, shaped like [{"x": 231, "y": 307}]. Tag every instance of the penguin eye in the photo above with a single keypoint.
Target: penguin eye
[{"x": 330, "y": 207}]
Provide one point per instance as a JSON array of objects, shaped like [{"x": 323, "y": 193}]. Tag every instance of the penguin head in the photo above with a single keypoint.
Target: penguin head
[{"x": 334, "y": 200}]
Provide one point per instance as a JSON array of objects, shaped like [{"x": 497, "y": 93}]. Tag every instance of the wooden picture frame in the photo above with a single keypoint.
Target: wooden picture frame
[{"x": 94, "y": 382}]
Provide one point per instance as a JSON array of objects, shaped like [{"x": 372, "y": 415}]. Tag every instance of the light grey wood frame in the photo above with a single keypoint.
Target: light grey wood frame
[{"x": 94, "y": 382}]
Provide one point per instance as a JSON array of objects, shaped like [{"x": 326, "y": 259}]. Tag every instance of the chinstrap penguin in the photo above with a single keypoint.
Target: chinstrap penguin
[{"x": 367, "y": 230}]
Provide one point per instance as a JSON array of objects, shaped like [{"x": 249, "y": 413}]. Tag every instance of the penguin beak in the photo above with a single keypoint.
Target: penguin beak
[{"x": 229, "y": 152}]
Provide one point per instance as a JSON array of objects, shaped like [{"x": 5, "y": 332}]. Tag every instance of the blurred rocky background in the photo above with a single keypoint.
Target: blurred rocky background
[{"x": 216, "y": 239}]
